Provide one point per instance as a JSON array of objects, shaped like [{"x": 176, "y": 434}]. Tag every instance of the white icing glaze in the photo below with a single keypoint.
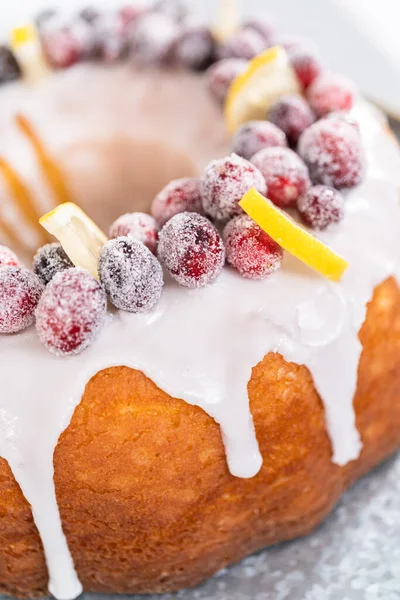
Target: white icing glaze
[{"x": 200, "y": 345}]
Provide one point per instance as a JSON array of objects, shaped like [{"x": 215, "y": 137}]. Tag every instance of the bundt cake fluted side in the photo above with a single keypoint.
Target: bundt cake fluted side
[{"x": 146, "y": 498}]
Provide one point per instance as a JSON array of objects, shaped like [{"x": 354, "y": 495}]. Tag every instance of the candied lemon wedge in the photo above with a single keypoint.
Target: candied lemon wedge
[
  {"x": 292, "y": 237},
  {"x": 267, "y": 77},
  {"x": 228, "y": 20},
  {"x": 80, "y": 237}
]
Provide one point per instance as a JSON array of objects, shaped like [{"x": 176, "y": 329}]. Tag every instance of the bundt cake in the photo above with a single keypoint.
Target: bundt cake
[{"x": 186, "y": 390}]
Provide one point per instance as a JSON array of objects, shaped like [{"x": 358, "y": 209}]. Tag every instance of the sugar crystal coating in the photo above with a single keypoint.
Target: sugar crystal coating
[
  {"x": 253, "y": 136},
  {"x": 20, "y": 291},
  {"x": 191, "y": 249},
  {"x": 320, "y": 206},
  {"x": 131, "y": 275},
  {"x": 179, "y": 195},
  {"x": 140, "y": 226},
  {"x": 246, "y": 43},
  {"x": 222, "y": 73},
  {"x": 195, "y": 48},
  {"x": 153, "y": 38},
  {"x": 306, "y": 65},
  {"x": 8, "y": 258},
  {"x": 293, "y": 115},
  {"x": 225, "y": 182},
  {"x": 333, "y": 151},
  {"x": 49, "y": 260},
  {"x": 285, "y": 173},
  {"x": 71, "y": 312},
  {"x": 329, "y": 93}
]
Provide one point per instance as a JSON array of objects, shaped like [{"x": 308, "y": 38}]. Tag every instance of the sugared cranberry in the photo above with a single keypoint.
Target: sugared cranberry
[
  {"x": 320, "y": 206},
  {"x": 256, "y": 135},
  {"x": 333, "y": 151},
  {"x": 250, "y": 250},
  {"x": 153, "y": 38},
  {"x": 111, "y": 37},
  {"x": 246, "y": 43},
  {"x": 285, "y": 173},
  {"x": 8, "y": 258},
  {"x": 20, "y": 291},
  {"x": 195, "y": 48},
  {"x": 330, "y": 93},
  {"x": 191, "y": 249},
  {"x": 345, "y": 116},
  {"x": 225, "y": 182},
  {"x": 293, "y": 115},
  {"x": 306, "y": 65},
  {"x": 49, "y": 260},
  {"x": 9, "y": 68},
  {"x": 130, "y": 274},
  {"x": 176, "y": 9},
  {"x": 61, "y": 48},
  {"x": 71, "y": 312},
  {"x": 129, "y": 13},
  {"x": 222, "y": 73},
  {"x": 263, "y": 27},
  {"x": 139, "y": 226},
  {"x": 90, "y": 14},
  {"x": 179, "y": 195}
]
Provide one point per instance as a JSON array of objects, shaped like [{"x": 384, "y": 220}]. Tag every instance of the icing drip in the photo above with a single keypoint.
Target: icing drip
[{"x": 201, "y": 345}]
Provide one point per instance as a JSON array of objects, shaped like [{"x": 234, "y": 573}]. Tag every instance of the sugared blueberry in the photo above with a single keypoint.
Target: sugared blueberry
[
  {"x": 330, "y": 93},
  {"x": 8, "y": 258},
  {"x": 153, "y": 38},
  {"x": 71, "y": 312},
  {"x": 49, "y": 260},
  {"x": 20, "y": 291},
  {"x": 333, "y": 151},
  {"x": 222, "y": 73},
  {"x": 179, "y": 195},
  {"x": 285, "y": 173},
  {"x": 131, "y": 275},
  {"x": 224, "y": 184},
  {"x": 249, "y": 249},
  {"x": 293, "y": 115},
  {"x": 9, "y": 68},
  {"x": 195, "y": 48},
  {"x": 253, "y": 136},
  {"x": 139, "y": 226},
  {"x": 191, "y": 249},
  {"x": 246, "y": 43},
  {"x": 320, "y": 206},
  {"x": 306, "y": 65}
]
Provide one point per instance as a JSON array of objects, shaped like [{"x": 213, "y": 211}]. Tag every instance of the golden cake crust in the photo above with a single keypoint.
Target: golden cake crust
[{"x": 146, "y": 499}]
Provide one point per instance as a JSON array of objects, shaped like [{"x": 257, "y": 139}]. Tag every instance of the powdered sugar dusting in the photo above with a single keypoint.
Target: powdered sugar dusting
[
  {"x": 140, "y": 226},
  {"x": 153, "y": 37}
]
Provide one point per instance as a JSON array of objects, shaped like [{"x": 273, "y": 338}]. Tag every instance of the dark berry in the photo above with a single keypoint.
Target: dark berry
[
  {"x": 307, "y": 67},
  {"x": 320, "y": 206},
  {"x": 225, "y": 182},
  {"x": 139, "y": 226},
  {"x": 246, "y": 43},
  {"x": 20, "y": 291},
  {"x": 153, "y": 38},
  {"x": 256, "y": 135},
  {"x": 90, "y": 14},
  {"x": 292, "y": 115},
  {"x": 191, "y": 249},
  {"x": 71, "y": 312},
  {"x": 250, "y": 250},
  {"x": 49, "y": 260},
  {"x": 195, "y": 48},
  {"x": 222, "y": 73},
  {"x": 331, "y": 93},
  {"x": 8, "y": 258},
  {"x": 285, "y": 173},
  {"x": 333, "y": 151},
  {"x": 179, "y": 195},
  {"x": 131, "y": 275},
  {"x": 9, "y": 68}
]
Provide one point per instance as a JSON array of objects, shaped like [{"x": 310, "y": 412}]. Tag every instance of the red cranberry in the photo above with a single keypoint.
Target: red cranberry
[
  {"x": 250, "y": 250},
  {"x": 225, "y": 183},
  {"x": 306, "y": 66},
  {"x": 130, "y": 274},
  {"x": 71, "y": 312},
  {"x": 139, "y": 226},
  {"x": 333, "y": 151},
  {"x": 61, "y": 49},
  {"x": 49, "y": 260},
  {"x": 8, "y": 258},
  {"x": 256, "y": 135},
  {"x": 153, "y": 38},
  {"x": 292, "y": 115},
  {"x": 345, "y": 116},
  {"x": 222, "y": 73},
  {"x": 20, "y": 291},
  {"x": 195, "y": 48},
  {"x": 330, "y": 93},
  {"x": 320, "y": 206},
  {"x": 264, "y": 28},
  {"x": 179, "y": 195},
  {"x": 246, "y": 43},
  {"x": 285, "y": 173},
  {"x": 191, "y": 249},
  {"x": 112, "y": 36},
  {"x": 9, "y": 68}
]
